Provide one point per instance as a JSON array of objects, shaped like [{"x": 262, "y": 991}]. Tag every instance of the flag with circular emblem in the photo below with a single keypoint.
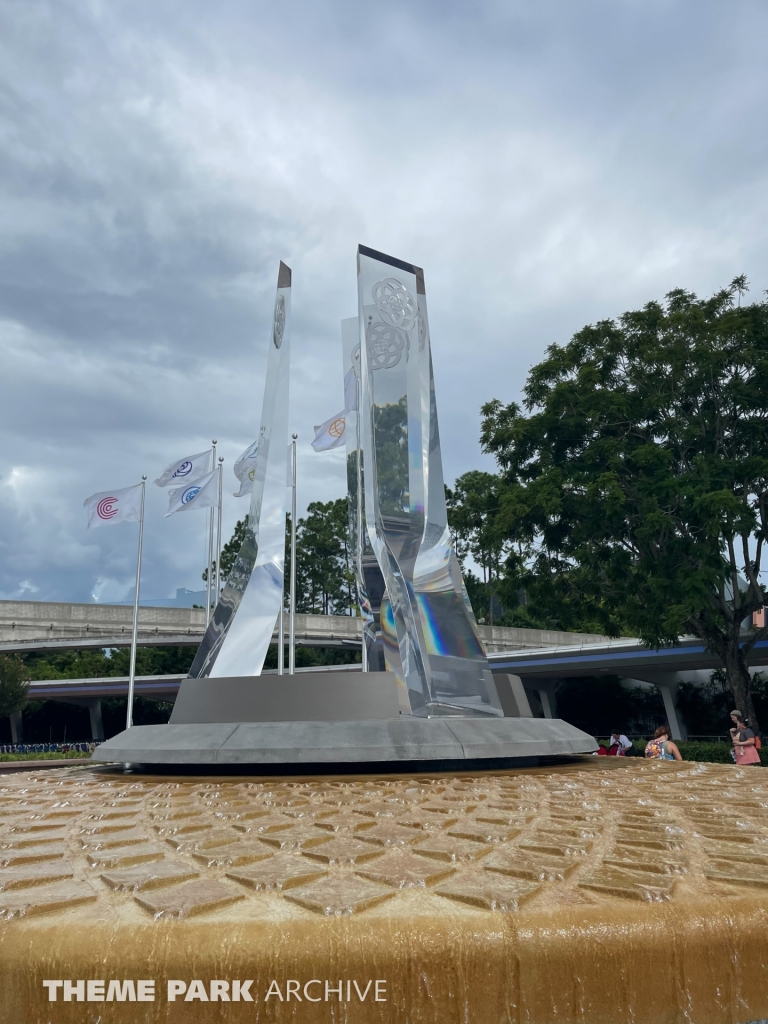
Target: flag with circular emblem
[
  {"x": 245, "y": 469},
  {"x": 330, "y": 434},
  {"x": 202, "y": 494},
  {"x": 187, "y": 470},
  {"x": 122, "y": 505}
]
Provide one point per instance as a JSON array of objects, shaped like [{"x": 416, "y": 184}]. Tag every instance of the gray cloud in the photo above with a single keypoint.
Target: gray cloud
[{"x": 548, "y": 165}]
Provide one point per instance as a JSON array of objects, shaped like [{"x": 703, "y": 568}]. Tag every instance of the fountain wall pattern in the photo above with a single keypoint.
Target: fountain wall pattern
[{"x": 552, "y": 895}]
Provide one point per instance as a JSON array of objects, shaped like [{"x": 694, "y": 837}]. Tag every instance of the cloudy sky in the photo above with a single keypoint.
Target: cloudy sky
[{"x": 548, "y": 164}]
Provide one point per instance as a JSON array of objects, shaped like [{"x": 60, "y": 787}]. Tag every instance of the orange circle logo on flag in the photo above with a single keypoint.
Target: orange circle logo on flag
[{"x": 336, "y": 429}]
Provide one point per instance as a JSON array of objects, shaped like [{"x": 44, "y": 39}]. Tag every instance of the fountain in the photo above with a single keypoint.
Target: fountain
[
  {"x": 383, "y": 846},
  {"x": 555, "y": 895}
]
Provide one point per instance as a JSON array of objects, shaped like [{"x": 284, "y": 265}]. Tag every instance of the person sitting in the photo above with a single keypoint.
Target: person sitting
[
  {"x": 620, "y": 741},
  {"x": 743, "y": 739},
  {"x": 662, "y": 747}
]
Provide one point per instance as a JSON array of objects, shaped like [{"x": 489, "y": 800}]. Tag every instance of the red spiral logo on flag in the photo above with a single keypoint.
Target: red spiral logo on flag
[{"x": 106, "y": 508}]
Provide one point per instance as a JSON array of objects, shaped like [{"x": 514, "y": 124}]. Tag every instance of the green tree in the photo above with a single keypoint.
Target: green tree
[
  {"x": 14, "y": 684},
  {"x": 97, "y": 663},
  {"x": 325, "y": 579},
  {"x": 636, "y": 474},
  {"x": 473, "y": 505},
  {"x": 229, "y": 552},
  {"x": 322, "y": 560}
]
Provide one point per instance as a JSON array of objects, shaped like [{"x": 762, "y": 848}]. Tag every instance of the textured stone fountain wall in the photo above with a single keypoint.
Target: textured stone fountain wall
[{"x": 635, "y": 891}]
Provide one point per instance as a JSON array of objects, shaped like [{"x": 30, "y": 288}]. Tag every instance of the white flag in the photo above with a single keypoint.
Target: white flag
[
  {"x": 202, "y": 494},
  {"x": 186, "y": 471},
  {"x": 330, "y": 434},
  {"x": 245, "y": 469},
  {"x": 119, "y": 506}
]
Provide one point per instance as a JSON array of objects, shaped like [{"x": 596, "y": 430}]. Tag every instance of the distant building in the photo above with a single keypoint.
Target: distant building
[{"x": 184, "y": 599}]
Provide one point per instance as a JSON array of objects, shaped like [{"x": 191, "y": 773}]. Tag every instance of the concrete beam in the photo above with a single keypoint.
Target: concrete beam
[{"x": 46, "y": 625}]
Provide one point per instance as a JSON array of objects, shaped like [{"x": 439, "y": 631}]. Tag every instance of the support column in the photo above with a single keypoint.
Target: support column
[
  {"x": 668, "y": 691},
  {"x": 544, "y": 698},
  {"x": 97, "y": 724},
  {"x": 548, "y": 699},
  {"x": 17, "y": 728},
  {"x": 667, "y": 683},
  {"x": 512, "y": 695}
]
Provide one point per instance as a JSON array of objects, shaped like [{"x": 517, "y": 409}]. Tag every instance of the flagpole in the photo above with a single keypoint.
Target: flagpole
[
  {"x": 210, "y": 548},
  {"x": 359, "y": 522},
  {"x": 134, "y": 634},
  {"x": 218, "y": 533},
  {"x": 292, "y": 618},
  {"x": 281, "y": 637}
]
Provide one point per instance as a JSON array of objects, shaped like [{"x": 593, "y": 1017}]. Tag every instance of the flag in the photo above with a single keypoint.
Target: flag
[
  {"x": 245, "y": 469},
  {"x": 204, "y": 493},
  {"x": 186, "y": 471},
  {"x": 119, "y": 506},
  {"x": 330, "y": 434}
]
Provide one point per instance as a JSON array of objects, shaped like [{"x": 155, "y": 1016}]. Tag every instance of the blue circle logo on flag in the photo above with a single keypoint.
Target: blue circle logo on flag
[
  {"x": 184, "y": 469},
  {"x": 189, "y": 494}
]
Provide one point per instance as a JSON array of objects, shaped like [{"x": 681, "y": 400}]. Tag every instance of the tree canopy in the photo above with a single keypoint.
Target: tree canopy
[
  {"x": 473, "y": 504},
  {"x": 14, "y": 684},
  {"x": 325, "y": 580},
  {"x": 635, "y": 475}
]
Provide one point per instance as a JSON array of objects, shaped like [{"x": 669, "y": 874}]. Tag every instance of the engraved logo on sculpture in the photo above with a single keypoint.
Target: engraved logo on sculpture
[
  {"x": 107, "y": 508},
  {"x": 189, "y": 494},
  {"x": 385, "y": 346},
  {"x": 337, "y": 428},
  {"x": 184, "y": 469},
  {"x": 395, "y": 304},
  {"x": 279, "y": 328}
]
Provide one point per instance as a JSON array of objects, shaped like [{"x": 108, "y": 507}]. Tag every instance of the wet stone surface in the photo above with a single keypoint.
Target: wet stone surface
[{"x": 82, "y": 842}]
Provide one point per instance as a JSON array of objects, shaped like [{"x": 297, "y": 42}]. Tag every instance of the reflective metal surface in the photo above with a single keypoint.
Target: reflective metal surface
[
  {"x": 429, "y": 623},
  {"x": 237, "y": 639}
]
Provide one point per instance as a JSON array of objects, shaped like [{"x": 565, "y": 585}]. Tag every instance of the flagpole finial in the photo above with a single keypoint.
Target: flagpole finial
[
  {"x": 214, "y": 441},
  {"x": 294, "y": 436},
  {"x": 143, "y": 476},
  {"x": 221, "y": 458}
]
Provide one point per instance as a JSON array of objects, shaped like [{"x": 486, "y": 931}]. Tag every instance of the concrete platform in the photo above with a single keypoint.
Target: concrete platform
[
  {"x": 328, "y": 718},
  {"x": 404, "y": 741}
]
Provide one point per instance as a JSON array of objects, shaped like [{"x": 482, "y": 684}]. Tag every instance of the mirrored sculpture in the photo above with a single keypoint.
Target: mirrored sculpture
[
  {"x": 243, "y": 621},
  {"x": 427, "y": 622},
  {"x": 379, "y": 640}
]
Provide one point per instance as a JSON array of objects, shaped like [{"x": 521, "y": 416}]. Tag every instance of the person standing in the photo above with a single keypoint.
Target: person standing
[
  {"x": 744, "y": 740},
  {"x": 620, "y": 741},
  {"x": 662, "y": 747}
]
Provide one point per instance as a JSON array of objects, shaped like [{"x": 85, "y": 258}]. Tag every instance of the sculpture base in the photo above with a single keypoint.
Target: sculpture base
[
  {"x": 329, "y": 719},
  {"x": 376, "y": 743}
]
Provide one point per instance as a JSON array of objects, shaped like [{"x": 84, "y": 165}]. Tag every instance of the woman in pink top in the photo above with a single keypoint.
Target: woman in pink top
[{"x": 743, "y": 738}]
